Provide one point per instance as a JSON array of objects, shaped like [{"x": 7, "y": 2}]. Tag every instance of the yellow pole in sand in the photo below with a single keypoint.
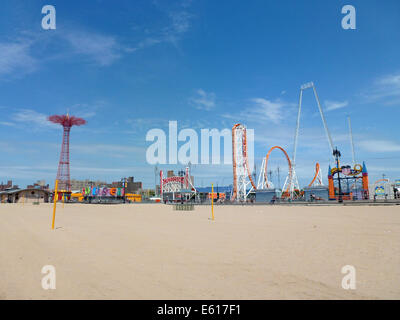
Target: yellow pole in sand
[
  {"x": 63, "y": 195},
  {"x": 212, "y": 200},
  {"x": 55, "y": 204}
]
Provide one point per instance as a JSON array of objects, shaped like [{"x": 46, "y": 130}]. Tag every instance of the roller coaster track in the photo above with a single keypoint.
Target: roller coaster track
[
  {"x": 266, "y": 164},
  {"x": 241, "y": 169},
  {"x": 317, "y": 175}
]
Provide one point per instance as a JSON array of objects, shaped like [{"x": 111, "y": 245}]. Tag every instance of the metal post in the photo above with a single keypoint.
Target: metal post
[
  {"x": 212, "y": 200},
  {"x": 296, "y": 135},
  {"x": 55, "y": 204},
  {"x": 328, "y": 135},
  {"x": 352, "y": 142},
  {"x": 155, "y": 181},
  {"x": 123, "y": 180},
  {"x": 336, "y": 154},
  {"x": 279, "y": 179}
]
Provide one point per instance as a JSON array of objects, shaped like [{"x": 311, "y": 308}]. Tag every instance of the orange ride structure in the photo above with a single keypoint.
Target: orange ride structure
[
  {"x": 243, "y": 182},
  {"x": 242, "y": 179},
  {"x": 264, "y": 183},
  {"x": 354, "y": 182},
  {"x": 317, "y": 180}
]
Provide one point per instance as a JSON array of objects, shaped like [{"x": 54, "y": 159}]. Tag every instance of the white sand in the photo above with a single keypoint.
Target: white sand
[{"x": 144, "y": 251}]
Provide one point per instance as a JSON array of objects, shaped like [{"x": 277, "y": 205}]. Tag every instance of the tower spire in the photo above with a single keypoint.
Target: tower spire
[{"x": 63, "y": 172}]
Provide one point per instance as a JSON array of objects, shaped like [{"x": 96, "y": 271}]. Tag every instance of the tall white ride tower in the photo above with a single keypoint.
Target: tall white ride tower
[
  {"x": 291, "y": 180},
  {"x": 242, "y": 179}
]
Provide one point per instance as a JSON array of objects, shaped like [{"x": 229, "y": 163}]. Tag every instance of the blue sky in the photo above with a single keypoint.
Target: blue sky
[{"x": 130, "y": 66}]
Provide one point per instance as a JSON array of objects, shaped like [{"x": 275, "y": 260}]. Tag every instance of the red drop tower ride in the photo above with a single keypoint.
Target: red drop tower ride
[{"x": 63, "y": 175}]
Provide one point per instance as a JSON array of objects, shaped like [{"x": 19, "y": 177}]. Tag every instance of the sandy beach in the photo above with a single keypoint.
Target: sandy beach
[{"x": 150, "y": 251}]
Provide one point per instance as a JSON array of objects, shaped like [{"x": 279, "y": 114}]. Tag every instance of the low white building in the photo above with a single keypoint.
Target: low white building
[{"x": 384, "y": 190}]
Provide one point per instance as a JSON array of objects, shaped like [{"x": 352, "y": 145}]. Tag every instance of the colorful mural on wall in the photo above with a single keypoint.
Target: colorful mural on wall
[
  {"x": 380, "y": 190},
  {"x": 103, "y": 192}
]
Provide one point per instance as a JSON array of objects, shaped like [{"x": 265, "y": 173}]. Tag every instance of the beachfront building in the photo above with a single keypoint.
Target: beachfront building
[
  {"x": 384, "y": 189},
  {"x": 24, "y": 195}
]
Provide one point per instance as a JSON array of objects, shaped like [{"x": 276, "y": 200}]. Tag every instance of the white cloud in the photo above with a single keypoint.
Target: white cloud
[
  {"x": 7, "y": 124},
  {"x": 86, "y": 110},
  {"x": 391, "y": 80},
  {"x": 33, "y": 119},
  {"x": 385, "y": 89},
  {"x": 111, "y": 149},
  {"x": 179, "y": 24},
  {"x": 385, "y": 169},
  {"x": 148, "y": 42},
  {"x": 16, "y": 57},
  {"x": 263, "y": 110},
  {"x": 203, "y": 100},
  {"x": 380, "y": 146},
  {"x": 48, "y": 171},
  {"x": 267, "y": 110},
  {"x": 103, "y": 49},
  {"x": 94, "y": 170},
  {"x": 334, "y": 105},
  {"x": 104, "y": 150},
  {"x": 28, "y": 118},
  {"x": 186, "y": 3}
]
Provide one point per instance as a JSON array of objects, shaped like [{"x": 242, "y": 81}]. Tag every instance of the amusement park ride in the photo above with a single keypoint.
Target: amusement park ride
[
  {"x": 355, "y": 182},
  {"x": 174, "y": 185},
  {"x": 241, "y": 169},
  {"x": 63, "y": 172},
  {"x": 344, "y": 182},
  {"x": 243, "y": 183}
]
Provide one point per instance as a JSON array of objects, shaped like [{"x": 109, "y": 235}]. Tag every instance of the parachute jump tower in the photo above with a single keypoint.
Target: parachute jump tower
[{"x": 63, "y": 173}]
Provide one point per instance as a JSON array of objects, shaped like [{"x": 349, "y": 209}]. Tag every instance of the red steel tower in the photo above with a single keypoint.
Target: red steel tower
[{"x": 63, "y": 175}]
